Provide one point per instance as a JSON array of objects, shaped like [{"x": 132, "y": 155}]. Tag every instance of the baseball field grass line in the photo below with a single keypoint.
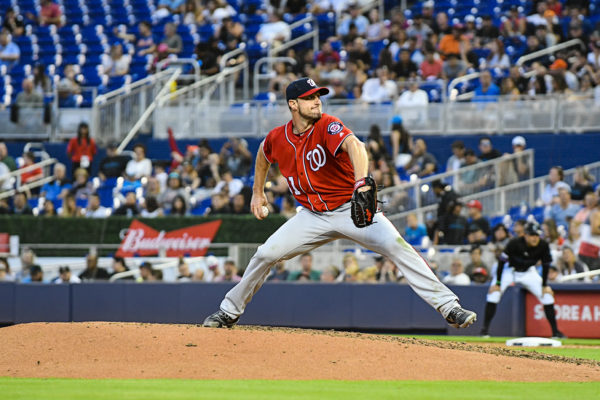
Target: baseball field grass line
[
  {"x": 109, "y": 389},
  {"x": 500, "y": 339}
]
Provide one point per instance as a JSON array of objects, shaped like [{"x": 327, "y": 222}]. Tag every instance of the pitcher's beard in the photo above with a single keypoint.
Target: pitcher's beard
[{"x": 311, "y": 117}]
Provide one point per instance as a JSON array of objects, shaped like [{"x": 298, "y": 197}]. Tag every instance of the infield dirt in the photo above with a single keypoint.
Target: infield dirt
[{"x": 133, "y": 350}]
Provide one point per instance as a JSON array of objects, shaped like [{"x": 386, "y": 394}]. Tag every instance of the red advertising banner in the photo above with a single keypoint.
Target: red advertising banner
[
  {"x": 144, "y": 241},
  {"x": 577, "y": 315}
]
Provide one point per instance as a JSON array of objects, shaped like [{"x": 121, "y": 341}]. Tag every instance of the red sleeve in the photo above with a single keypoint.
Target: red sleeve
[
  {"x": 173, "y": 143},
  {"x": 335, "y": 134},
  {"x": 268, "y": 148},
  {"x": 70, "y": 147}
]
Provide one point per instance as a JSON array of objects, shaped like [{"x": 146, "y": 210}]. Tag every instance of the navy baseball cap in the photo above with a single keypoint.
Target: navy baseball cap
[{"x": 303, "y": 87}]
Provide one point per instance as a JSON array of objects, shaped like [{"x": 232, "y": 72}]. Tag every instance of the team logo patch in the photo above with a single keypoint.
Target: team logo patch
[
  {"x": 311, "y": 83},
  {"x": 334, "y": 127}
]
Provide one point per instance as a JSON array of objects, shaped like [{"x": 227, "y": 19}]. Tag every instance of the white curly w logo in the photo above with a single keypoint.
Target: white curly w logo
[{"x": 316, "y": 158}]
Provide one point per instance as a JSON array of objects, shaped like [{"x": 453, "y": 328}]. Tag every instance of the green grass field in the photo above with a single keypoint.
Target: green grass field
[
  {"x": 109, "y": 389},
  {"x": 78, "y": 389},
  {"x": 592, "y": 353}
]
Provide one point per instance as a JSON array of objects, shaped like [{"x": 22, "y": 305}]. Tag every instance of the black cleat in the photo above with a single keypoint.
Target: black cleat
[
  {"x": 461, "y": 318},
  {"x": 558, "y": 335},
  {"x": 220, "y": 320}
]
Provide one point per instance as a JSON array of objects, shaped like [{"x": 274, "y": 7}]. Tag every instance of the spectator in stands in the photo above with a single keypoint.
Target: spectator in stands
[
  {"x": 228, "y": 185},
  {"x": 405, "y": 68},
  {"x": 6, "y": 158},
  {"x": 5, "y": 274},
  {"x": 28, "y": 98},
  {"x": 92, "y": 272},
  {"x": 453, "y": 67},
  {"x": 172, "y": 6},
  {"x": 9, "y": 51},
  {"x": 419, "y": 30},
  {"x": 33, "y": 174},
  {"x": 82, "y": 149},
  {"x": 178, "y": 207},
  {"x": 151, "y": 208},
  {"x": 590, "y": 202},
  {"x": 488, "y": 31},
  {"x": 564, "y": 210},
  {"x": 231, "y": 272},
  {"x": 217, "y": 10},
  {"x": 113, "y": 165},
  {"x": 422, "y": 163},
  {"x": 278, "y": 272},
  {"x": 583, "y": 184},
  {"x": 146, "y": 272},
  {"x": 282, "y": 78},
  {"x": 487, "y": 91},
  {"x": 288, "y": 208},
  {"x": 453, "y": 229},
  {"x": 414, "y": 232},
  {"x": 20, "y": 205},
  {"x": 139, "y": 166},
  {"x": 209, "y": 53},
  {"x": 515, "y": 24},
  {"x": 355, "y": 78},
  {"x": 239, "y": 205},
  {"x": 68, "y": 88},
  {"x": 487, "y": 151},
  {"x": 274, "y": 32},
  {"x": 95, "y": 209},
  {"x": 401, "y": 142},
  {"x": 457, "y": 276},
  {"x": 550, "y": 194},
  {"x": 570, "y": 265},
  {"x": 172, "y": 39},
  {"x": 451, "y": 44},
  {"x": 118, "y": 266},
  {"x": 519, "y": 228},
  {"x": 357, "y": 51},
  {"x": 6, "y": 182},
  {"x": 82, "y": 188},
  {"x": 130, "y": 207},
  {"x": 50, "y": 14},
  {"x": 27, "y": 261},
  {"x": 457, "y": 159},
  {"x": 327, "y": 54},
  {"x": 36, "y": 274},
  {"x": 480, "y": 275},
  {"x": 41, "y": 82},
  {"x": 479, "y": 227},
  {"x": 476, "y": 265},
  {"x": 69, "y": 207},
  {"x": 306, "y": 272},
  {"x": 174, "y": 188},
  {"x": 65, "y": 276},
  {"x": 500, "y": 236},
  {"x": 116, "y": 63},
  {"x": 49, "y": 210},
  {"x": 236, "y": 156},
  {"x": 377, "y": 29},
  {"x": 412, "y": 103},
  {"x": 184, "y": 271},
  {"x": 520, "y": 164},
  {"x": 13, "y": 22},
  {"x": 497, "y": 57},
  {"x": 432, "y": 67},
  {"x": 144, "y": 42},
  {"x": 356, "y": 19}
]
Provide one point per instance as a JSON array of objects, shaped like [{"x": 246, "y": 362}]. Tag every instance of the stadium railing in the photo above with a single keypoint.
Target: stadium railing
[
  {"x": 16, "y": 176},
  {"x": 523, "y": 197},
  {"x": 310, "y": 25}
]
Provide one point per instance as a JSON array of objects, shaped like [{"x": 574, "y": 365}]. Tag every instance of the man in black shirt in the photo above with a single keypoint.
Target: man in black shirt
[
  {"x": 92, "y": 272},
  {"x": 113, "y": 165},
  {"x": 522, "y": 254}
]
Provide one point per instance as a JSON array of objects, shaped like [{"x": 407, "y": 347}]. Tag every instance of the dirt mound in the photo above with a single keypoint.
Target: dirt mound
[{"x": 132, "y": 350}]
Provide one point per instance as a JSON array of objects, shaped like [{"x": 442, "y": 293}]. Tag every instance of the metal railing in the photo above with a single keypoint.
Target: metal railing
[
  {"x": 550, "y": 50},
  {"x": 115, "y": 113},
  {"x": 313, "y": 35},
  {"x": 16, "y": 175},
  {"x": 498, "y": 201},
  {"x": 467, "y": 180},
  {"x": 181, "y": 62},
  {"x": 258, "y": 76},
  {"x": 224, "y": 63}
]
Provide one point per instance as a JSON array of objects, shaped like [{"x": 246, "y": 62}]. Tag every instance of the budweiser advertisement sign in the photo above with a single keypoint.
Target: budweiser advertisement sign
[
  {"x": 577, "y": 315},
  {"x": 141, "y": 240}
]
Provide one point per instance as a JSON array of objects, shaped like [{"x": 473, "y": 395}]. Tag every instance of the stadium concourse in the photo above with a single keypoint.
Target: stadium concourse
[{"x": 61, "y": 54}]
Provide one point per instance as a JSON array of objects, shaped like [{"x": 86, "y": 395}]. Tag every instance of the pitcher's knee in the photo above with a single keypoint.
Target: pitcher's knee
[{"x": 264, "y": 256}]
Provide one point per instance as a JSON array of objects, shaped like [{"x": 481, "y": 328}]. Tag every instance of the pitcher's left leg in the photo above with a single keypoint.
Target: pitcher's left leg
[{"x": 383, "y": 238}]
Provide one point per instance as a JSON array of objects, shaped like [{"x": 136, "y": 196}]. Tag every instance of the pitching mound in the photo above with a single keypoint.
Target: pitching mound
[{"x": 131, "y": 350}]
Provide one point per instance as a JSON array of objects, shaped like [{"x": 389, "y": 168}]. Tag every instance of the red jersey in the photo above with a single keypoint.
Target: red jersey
[
  {"x": 319, "y": 174},
  {"x": 87, "y": 147}
]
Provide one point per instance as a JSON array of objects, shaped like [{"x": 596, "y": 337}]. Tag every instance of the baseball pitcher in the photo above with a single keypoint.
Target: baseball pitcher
[{"x": 326, "y": 168}]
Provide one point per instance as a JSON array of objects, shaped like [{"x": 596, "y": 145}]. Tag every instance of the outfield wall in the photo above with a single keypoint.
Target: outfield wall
[{"x": 325, "y": 306}]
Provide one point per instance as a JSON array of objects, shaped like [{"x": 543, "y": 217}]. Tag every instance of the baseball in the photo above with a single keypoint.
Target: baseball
[{"x": 265, "y": 211}]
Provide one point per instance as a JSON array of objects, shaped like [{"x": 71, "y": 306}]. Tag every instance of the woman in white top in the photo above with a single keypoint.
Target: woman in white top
[
  {"x": 140, "y": 166},
  {"x": 497, "y": 57}
]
